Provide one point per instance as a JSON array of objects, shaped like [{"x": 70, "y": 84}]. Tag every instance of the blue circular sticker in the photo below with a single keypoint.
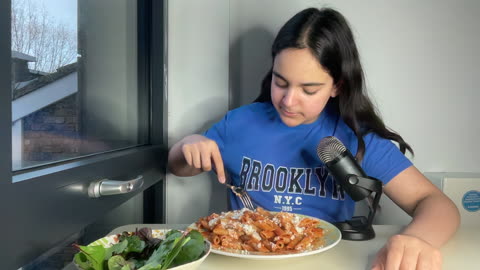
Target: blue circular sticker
[{"x": 471, "y": 201}]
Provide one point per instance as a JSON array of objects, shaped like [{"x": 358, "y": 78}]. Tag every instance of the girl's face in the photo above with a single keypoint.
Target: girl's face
[{"x": 300, "y": 87}]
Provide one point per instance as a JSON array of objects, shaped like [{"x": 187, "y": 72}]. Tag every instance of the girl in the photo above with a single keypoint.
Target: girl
[{"x": 315, "y": 89}]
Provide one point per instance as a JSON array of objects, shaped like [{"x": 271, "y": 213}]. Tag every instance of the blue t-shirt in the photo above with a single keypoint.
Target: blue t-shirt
[{"x": 279, "y": 167}]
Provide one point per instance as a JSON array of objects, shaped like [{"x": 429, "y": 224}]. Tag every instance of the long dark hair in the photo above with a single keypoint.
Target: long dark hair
[{"x": 327, "y": 35}]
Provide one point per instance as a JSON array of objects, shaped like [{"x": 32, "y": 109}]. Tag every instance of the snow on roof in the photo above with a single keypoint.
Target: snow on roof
[
  {"x": 22, "y": 56},
  {"x": 45, "y": 80}
]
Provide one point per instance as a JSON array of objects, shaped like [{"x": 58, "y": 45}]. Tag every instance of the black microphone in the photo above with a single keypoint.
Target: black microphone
[{"x": 342, "y": 166}]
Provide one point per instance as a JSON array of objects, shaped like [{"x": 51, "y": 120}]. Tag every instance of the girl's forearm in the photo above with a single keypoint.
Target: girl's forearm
[{"x": 435, "y": 220}]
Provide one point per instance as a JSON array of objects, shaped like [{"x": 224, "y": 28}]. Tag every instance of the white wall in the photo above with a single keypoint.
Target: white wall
[
  {"x": 420, "y": 60},
  {"x": 197, "y": 78}
]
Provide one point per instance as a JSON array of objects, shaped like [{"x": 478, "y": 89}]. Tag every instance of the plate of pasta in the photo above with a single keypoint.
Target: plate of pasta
[{"x": 266, "y": 235}]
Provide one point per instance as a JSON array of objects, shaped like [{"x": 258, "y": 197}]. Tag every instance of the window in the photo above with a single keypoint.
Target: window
[
  {"x": 74, "y": 80},
  {"x": 94, "y": 117}
]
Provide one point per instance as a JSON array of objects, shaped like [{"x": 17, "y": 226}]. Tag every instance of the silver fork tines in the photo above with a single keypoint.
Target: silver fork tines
[{"x": 242, "y": 195}]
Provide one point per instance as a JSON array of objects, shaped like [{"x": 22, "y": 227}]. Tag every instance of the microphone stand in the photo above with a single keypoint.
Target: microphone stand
[{"x": 360, "y": 227}]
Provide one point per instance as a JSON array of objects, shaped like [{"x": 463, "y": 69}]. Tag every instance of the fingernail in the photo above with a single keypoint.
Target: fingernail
[{"x": 222, "y": 180}]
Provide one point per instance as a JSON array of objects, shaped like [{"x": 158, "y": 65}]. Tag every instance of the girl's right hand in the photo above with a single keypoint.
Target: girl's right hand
[{"x": 199, "y": 152}]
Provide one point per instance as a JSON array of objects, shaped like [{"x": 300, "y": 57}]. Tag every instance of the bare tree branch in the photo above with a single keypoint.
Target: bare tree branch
[{"x": 35, "y": 33}]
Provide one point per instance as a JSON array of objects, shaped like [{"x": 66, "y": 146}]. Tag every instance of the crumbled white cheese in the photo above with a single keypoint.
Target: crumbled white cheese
[
  {"x": 248, "y": 229},
  {"x": 213, "y": 222},
  {"x": 276, "y": 220},
  {"x": 295, "y": 219}
]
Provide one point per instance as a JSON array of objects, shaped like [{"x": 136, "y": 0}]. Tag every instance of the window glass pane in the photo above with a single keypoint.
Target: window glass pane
[{"x": 74, "y": 80}]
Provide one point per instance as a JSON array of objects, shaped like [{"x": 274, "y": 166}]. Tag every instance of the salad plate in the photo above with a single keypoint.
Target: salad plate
[{"x": 111, "y": 240}]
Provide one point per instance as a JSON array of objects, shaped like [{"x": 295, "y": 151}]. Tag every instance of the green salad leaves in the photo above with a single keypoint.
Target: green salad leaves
[{"x": 141, "y": 251}]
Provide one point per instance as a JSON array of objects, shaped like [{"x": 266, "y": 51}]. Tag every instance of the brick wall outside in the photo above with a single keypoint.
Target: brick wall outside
[{"x": 52, "y": 133}]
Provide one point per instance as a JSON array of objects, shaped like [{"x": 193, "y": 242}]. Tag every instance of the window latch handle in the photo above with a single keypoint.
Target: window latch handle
[{"x": 107, "y": 187}]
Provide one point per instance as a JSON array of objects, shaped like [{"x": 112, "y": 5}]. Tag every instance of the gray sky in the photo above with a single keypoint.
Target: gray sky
[{"x": 63, "y": 10}]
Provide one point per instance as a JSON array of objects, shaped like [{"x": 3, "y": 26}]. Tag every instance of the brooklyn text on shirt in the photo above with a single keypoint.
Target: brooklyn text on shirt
[{"x": 287, "y": 182}]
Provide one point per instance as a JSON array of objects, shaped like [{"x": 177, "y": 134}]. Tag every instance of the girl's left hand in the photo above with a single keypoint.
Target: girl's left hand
[{"x": 407, "y": 252}]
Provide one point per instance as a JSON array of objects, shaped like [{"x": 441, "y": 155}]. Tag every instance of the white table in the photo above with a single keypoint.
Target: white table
[{"x": 461, "y": 252}]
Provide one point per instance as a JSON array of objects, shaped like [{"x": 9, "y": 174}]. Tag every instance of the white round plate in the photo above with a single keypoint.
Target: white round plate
[{"x": 332, "y": 237}]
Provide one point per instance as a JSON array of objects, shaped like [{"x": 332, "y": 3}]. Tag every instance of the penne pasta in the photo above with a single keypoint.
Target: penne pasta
[
  {"x": 279, "y": 245},
  {"x": 267, "y": 234},
  {"x": 304, "y": 243},
  {"x": 264, "y": 225},
  {"x": 247, "y": 247},
  {"x": 279, "y": 232},
  {"x": 261, "y": 231},
  {"x": 306, "y": 222},
  {"x": 220, "y": 230},
  {"x": 204, "y": 224},
  {"x": 215, "y": 239},
  {"x": 284, "y": 238},
  {"x": 295, "y": 241},
  {"x": 264, "y": 213}
]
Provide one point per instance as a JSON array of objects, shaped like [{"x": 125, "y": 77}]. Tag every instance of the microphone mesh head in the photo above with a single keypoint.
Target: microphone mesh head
[{"x": 330, "y": 148}]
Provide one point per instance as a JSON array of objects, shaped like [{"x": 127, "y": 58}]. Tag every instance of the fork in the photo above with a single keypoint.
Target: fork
[{"x": 242, "y": 195}]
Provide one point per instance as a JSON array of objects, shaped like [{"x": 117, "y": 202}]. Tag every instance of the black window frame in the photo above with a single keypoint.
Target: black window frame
[{"x": 34, "y": 217}]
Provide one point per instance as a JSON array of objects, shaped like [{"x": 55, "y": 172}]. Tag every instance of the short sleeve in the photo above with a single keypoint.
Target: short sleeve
[
  {"x": 383, "y": 160},
  {"x": 218, "y": 133}
]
